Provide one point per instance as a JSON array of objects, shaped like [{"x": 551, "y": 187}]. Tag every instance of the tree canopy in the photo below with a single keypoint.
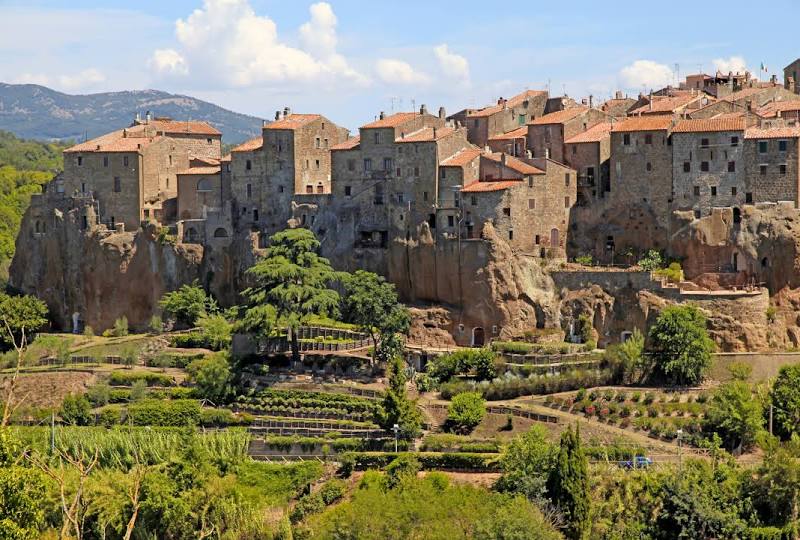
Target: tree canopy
[
  {"x": 786, "y": 401},
  {"x": 188, "y": 304},
  {"x": 735, "y": 415},
  {"x": 568, "y": 484},
  {"x": 680, "y": 346},
  {"x": 20, "y": 314}
]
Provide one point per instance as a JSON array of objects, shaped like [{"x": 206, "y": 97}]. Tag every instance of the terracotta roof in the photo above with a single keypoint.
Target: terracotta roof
[
  {"x": 772, "y": 109},
  {"x": 595, "y": 133},
  {"x": 511, "y": 102},
  {"x": 170, "y": 126},
  {"x": 514, "y": 163},
  {"x": 393, "y": 120},
  {"x": 203, "y": 159},
  {"x": 248, "y": 146},
  {"x": 559, "y": 117},
  {"x": 741, "y": 94},
  {"x": 772, "y": 133},
  {"x": 426, "y": 135},
  {"x": 663, "y": 105},
  {"x": 225, "y": 158},
  {"x": 349, "y": 144},
  {"x": 643, "y": 123},
  {"x": 736, "y": 123},
  {"x": 113, "y": 142},
  {"x": 462, "y": 157},
  {"x": 200, "y": 170},
  {"x": 293, "y": 121},
  {"x": 519, "y": 133},
  {"x": 494, "y": 185}
]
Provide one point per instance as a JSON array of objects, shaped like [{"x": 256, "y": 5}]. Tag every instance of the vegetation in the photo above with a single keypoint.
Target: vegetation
[
  {"x": 786, "y": 401},
  {"x": 651, "y": 261},
  {"x": 212, "y": 376},
  {"x": 399, "y": 412},
  {"x": 568, "y": 484},
  {"x": 465, "y": 412},
  {"x": 680, "y": 346},
  {"x": 188, "y": 304},
  {"x": 735, "y": 415}
]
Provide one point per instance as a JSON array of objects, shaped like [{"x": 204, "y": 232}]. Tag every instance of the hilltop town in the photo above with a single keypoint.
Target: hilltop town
[{"x": 478, "y": 217}]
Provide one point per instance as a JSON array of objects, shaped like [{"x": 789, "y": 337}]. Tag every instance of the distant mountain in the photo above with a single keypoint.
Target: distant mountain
[{"x": 36, "y": 112}]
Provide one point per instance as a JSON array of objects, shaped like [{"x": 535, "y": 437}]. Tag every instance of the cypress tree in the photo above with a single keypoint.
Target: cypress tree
[{"x": 568, "y": 485}]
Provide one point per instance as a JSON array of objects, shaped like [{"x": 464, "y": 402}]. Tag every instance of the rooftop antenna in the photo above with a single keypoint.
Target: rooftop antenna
[
  {"x": 413, "y": 104},
  {"x": 393, "y": 98}
]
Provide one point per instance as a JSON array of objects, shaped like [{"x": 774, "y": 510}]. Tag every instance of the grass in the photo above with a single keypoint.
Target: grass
[{"x": 327, "y": 322}]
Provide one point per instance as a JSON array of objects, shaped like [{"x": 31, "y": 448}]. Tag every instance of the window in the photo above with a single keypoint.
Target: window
[
  {"x": 574, "y": 148},
  {"x": 731, "y": 166},
  {"x": 325, "y": 143},
  {"x": 648, "y": 138},
  {"x": 696, "y": 191},
  {"x": 704, "y": 166},
  {"x": 309, "y": 189},
  {"x": 566, "y": 179},
  {"x": 475, "y": 123},
  {"x": 117, "y": 184},
  {"x": 377, "y": 137},
  {"x": 401, "y": 198},
  {"x": 316, "y": 164},
  {"x": 125, "y": 161},
  {"x": 280, "y": 189},
  {"x": 398, "y": 172},
  {"x": 626, "y": 139},
  {"x": 80, "y": 161},
  {"x": 367, "y": 164},
  {"x": 531, "y": 204},
  {"x": 105, "y": 161},
  {"x": 537, "y": 239},
  {"x": 530, "y": 181},
  {"x": 83, "y": 187},
  {"x": 473, "y": 200},
  {"x": 507, "y": 211},
  {"x": 248, "y": 165},
  {"x": 734, "y": 141},
  {"x": 762, "y": 147},
  {"x": 566, "y": 202},
  {"x": 387, "y": 164},
  {"x": 450, "y": 221},
  {"x": 748, "y": 198},
  {"x": 697, "y": 214},
  {"x": 169, "y": 160},
  {"x": 687, "y": 166},
  {"x": 348, "y": 191},
  {"x": 782, "y": 169},
  {"x": 649, "y": 166},
  {"x": 510, "y": 234},
  {"x": 444, "y": 172},
  {"x": 249, "y": 191},
  {"x": 255, "y": 216},
  {"x": 763, "y": 170},
  {"x": 316, "y": 142},
  {"x": 782, "y": 146},
  {"x": 713, "y": 191},
  {"x": 733, "y": 191},
  {"x": 306, "y": 164},
  {"x": 416, "y": 171},
  {"x": 320, "y": 189},
  {"x": 703, "y": 143},
  {"x": 351, "y": 164},
  {"x": 378, "y": 194},
  {"x": 425, "y": 196}
]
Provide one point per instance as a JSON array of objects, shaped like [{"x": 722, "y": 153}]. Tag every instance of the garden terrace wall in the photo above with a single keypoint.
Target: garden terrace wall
[
  {"x": 608, "y": 280},
  {"x": 520, "y": 413}
]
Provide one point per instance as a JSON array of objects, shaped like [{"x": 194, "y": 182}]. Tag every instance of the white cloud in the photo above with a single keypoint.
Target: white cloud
[
  {"x": 393, "y": 71},
  {"x": 31, "y": 78},
  {"x": 227, "y": 42},
  {"x": 646, "y": 73},
  {"x": 452, "y": 64},
  {"x": 168, "y": 61},
  {"x": 734, "y": 64}
]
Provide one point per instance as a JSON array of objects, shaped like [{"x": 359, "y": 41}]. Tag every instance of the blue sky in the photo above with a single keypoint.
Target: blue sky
[{"x": 350, "y": 59}]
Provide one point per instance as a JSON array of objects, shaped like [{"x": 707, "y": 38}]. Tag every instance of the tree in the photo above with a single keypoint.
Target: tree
[
  {"x": 777, "y": 484},
  {"x": 680, "y": 345},
  {"x": 651, "y": 261},
  {"x": 628, "y": 356},
  {"x": 735, "y": 415},
  {"x": 372, "y": 304},
  {"x": 212, "y": 376},
  {"x": 466, "y": 411},
  {"x": 216, "y": 331},
  {"x": 786, "y": 401},
  {"x": 188, "y": 303},
  {"x": 261, "y": 321},
  {"x": 120, "y": 327},
  {"x": 76, "y": 410},
  {"x": 396, "y": 407},
  {"x": 526, "y": 464},
  {"x": 568, "y": 484},
  {"x": 481, "y": 362},
  {"x": 295, "y": 279}
]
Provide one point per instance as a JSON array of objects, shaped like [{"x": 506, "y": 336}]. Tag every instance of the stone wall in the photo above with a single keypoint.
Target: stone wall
[{"x": 774, "y": 185}]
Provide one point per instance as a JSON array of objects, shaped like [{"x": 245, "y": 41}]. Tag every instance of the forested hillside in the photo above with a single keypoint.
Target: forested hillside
[{"x": 24, "y": 167}]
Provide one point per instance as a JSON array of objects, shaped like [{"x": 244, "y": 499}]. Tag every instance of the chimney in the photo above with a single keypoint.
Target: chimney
[
  {"x": 382, "y": 115},
  {"x": 263, "y": 123},
  {"x": 584, "y": 102},
  {"x": 505, "y": 104},
  {"x": 749, "y": 104},
  {"x": 98, "y": 147},
  {"x": 500, "y": 101},
  {"x": 147, "y": 117},
  {"x": 774, "y": 80},
  {"x": 124, "y": 133},
  {"x": 423, "y": 109},
  {"x": 591, "y": 100},
  {"x": 618, "y": 94},
  {"x": 442, "y": 113},
  {"x": 277, "y": 115},
  {"x": 286, "y": 111},
  {"x": 138, "y": 118},
  {"x": 651, "y": 100}
]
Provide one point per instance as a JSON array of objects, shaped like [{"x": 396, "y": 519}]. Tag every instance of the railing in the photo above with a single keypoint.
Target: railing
[
  {"x": 500, "y": 409},
  {"x": 81, "y": 360}
]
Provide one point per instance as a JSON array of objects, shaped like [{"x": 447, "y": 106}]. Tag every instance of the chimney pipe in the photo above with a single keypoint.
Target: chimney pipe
[
  {"x": 286, "y": 111},
  {"x": 277, "y": 115},
  {"x": 423, "y": 109},
  {"x": 382, "y": 115},
  {"x": 591, "y": 100},
  {"x": 442, "y": 113},
  {"x": 148, "y": 117}
]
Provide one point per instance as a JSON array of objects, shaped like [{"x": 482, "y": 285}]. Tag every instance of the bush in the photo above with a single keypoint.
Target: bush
[
  {"x": 127, "y": 378},
  {"x": 673, "y": 273},
  {"x": 466, "y": 411},
  {"x": 651, "y": 261},
  {"x": 152, "y": 412},
  {"x": 99, "y": 394},
  {"x": 188, "y": 304},
  {"x": 75, "y": 410},
  {"x": 110, "y": 415},
  {"x": 512, "y": 347},
  {"x": 218, "y": 418},
  {"x": 585, "y": 260},
  {"x": 156, "y": 325},
  {"x": 88, "y": 331},
  {"x": 120, "y": 327}
]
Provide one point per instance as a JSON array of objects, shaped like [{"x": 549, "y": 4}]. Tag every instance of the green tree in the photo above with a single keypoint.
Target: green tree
[
  {"x": 76, "y": 410},
  {"x": 156, "y": 325},
  {"x": 526, "y": 465},
  {"x": 786, "y": 401},
  {"x": 216, "y": 330},
  {"x": 261, "y": 321},
  {"x": 402, "y": 468},
  {"x": 295, "y": 279},
  {"x": 188, "y": 303},
  {"x": 777, "y": 483},
  {"x": 651, "y": 261},
  {"x": 212, "y": 376},
  {"x": 396, "y": 407},
  {"x": 371, "y": 302},
  {"x": 466, "y": 411},
  {"x": 138, "y": 390},
  {"x": 120, "y": 327},
  {"x": 568, "y": 484},
  {"x": 735, "y": 415},
  {"x": 628, "y": 356},
  {"x": 20, "y": 317},
  {"x": 680, "y": 345}
]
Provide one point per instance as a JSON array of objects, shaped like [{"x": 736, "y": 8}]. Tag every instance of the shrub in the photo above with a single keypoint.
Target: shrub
[
  {"x": 120, "y": 327},
  {"x": 110, "y": 416},
  {"x": 636, "y": 396},
  {"x": 466, "y": 411},
  {"x": 580, "y": 395},
  {"x": 512, "y": 347},
  {"x": 127, "y": 378},
  {"x": 585, "y": 260},
  {"x": 88, "y": 331},
  {"x": 772, "y": 314},
  {"x": 153, "y": 412},
  {"x": 651, "y": 261},
  {"x": 99, "y": 394},
  {"x": 188, "y": 304},
  {"x": 156, "y": 325},
  {"x": 75, "y": 410},
  {"x": 138, "y": 390},
  {"x": 673, "y": 273}
]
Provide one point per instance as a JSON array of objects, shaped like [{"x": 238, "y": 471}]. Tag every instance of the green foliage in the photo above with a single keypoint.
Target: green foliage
[
  {"x": 651, "y": 261},
  {"x": 156, "y": 325},
  {"x": 585, "y": 260},
  {"x": 20, "y": 314},
  {"x": 216, "y": 331},
  {"x": 628, "y": 356},
  {"x": 735, "y": 415},
  {"x": 466, "y": 411},
  {"x": 526, "y": 464},
  {"x": 740, "y": 371},
  {"x": 772, "y": 314},
  {"x": 397, "y": 408},
  {"x": 568, "y": 484},
  {"x": 512, "y": 347},
  {"x": 76, "y": 410},
  {"x": 22, "y": 508},
  {"x": 88, "y": 331},
  {"x": 120, "y": 327},
  {"x": 786, "y": 401},
  {"x": 188, "y": 304},
  {"x": 330, "y": 492},
  {"x": 99, "y": 394},
  {"x": 480, "y": 362},
  {"x": 212, "y": 376},
  {"x": 261, "y": 321},
  {"x": 156, "y": 412},
  {"x": 672, "y": 273},
  {"x": 403, "y": 468},
  {"x": 680, "y": 345},
  {"x": 138, "y": 390},
  {"x": 128, "y": 378},
  {"x": 585, "y": 328}
]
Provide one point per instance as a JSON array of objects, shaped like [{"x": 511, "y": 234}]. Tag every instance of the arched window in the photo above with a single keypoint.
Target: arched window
[
  {"x": 478, "y": 337},
  {"x": 554, "y": 240},
  {"x": 38, "y": 226},
  {"x": 204, "y": 184},
  {"x": 220, "y": 233},
  {"x": 190, "y": 236}
]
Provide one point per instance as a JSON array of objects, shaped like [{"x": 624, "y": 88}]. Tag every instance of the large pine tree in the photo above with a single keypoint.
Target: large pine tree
[{"x": 568, "y": 485}]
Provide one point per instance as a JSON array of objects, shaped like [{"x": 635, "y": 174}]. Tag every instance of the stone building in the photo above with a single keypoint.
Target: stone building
[
  {"x": 589, "y": 153},
  {"x": 618, "y": 106},
  {"x": 514, "y": 143},
  {"x": 707, "y": 166},
  {"x": 547, "y": 134},
  {"x": 455, "y": 172},
  {"x": 748, "y": 101},
  {"x": 788, "y": 112},
  {"x": 674, "y": 103},
  {"x": 506, "y": 115},
  {"x": 250, "y": 187},
  {"x": 526, "y": 201},
  {"x": 771, "y": 164},
  {"x": 790, "y": 77}
]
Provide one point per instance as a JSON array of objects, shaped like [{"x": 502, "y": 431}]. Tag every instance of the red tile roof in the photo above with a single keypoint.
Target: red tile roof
[
  {"x": 176, "y": 127},
  {"x": 426, "y": 135},
  {"x": 559, "y": 117},
  {"x": 772, "y": 109},
  {"x": 393, "y": 120},
  {"x": 643, "y": 123},
  {"x": 350, "y": 144},
  {"x": 595, "y": 133},
  {"x": 293, "y": 121},
  {"x": 511, "y": 102},
  {"x": 736, "y": 123},
  {"x": 206, "y": 160},
  {"x": 116, "y": 141},
  {"x": 514, "y": 163},
  {"x": 200, "y": 170},
  {"x": 519, "y": 133},
  {"x": 494, "y": 185},
  {"x": 256, "y": 143},
  {"x": 462, "y": 157},
  {"x": 772, "y": 133},
  {"x": 741, "y": 94},
  {"x": 667, "y": 105}
]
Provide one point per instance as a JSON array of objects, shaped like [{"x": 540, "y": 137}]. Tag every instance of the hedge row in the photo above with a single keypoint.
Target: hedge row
[
  {"x": 123, "y": 395},
  {"x": 429, "y": 461},
  {"x": 151, "y": 414},
  {"x": 511, "y": 387},
  {"x": 128, "y": 377},
  {"x": 458, "y": 443},
  {"x": 338, "y": 445},
  {"x": 154, "y": 412}
]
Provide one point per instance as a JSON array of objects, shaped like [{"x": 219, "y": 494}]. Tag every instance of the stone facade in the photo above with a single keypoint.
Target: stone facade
[
  {"x": 771, "y": 165},
  {"x": 505, "y": 116},
  {"x": 547, "y": 134},
  {"x": 790, "y": 73},
  {"x": 589, "y": 154}
]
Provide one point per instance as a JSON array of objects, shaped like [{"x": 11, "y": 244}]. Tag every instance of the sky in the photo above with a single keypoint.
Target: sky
[{"x": 352, "y": 59}]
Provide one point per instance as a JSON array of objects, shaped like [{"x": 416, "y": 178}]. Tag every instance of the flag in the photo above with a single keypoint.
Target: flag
[{"x": 763, "y": 67}]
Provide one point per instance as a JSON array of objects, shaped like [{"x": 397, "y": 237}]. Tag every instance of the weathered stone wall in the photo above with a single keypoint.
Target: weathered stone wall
[
  {"x": 774, "y": 185},
  {"x": 199, "y": 194}
]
